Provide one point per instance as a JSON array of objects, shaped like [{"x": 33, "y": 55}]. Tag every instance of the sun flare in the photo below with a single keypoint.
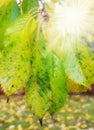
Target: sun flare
[
  {"x": 74, "y": 16},
  {"x": 69, "y": 19}
]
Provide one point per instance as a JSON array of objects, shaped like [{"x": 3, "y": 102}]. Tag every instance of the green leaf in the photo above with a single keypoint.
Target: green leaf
[
  {"x": 5, "y": 15},
  {"x": 85, "y": 58},
  {"x": 71, "y": 64},
  {"x": 28, "y": 5},
  {"x": 79, "y": 63},
  {"x": 15, "y": 62},
  {"x": 58, "y": 83},
  {"x": 15, "y": 12},
  {"x": 38, "y": 93}
]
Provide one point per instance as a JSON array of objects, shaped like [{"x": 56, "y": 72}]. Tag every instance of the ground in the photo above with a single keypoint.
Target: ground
[{"x": 77, "y": 114}]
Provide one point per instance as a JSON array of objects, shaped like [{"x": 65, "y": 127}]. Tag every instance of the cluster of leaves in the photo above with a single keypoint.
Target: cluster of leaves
[{"x": 25, "y": 60}]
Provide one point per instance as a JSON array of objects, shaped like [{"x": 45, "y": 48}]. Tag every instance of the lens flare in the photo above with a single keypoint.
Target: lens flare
[
  {"x": 74, "y": 16},
  {"x": 69, "y": 17}
]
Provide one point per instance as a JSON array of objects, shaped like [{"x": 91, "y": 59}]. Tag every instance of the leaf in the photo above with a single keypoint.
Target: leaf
[
  {"x": 75, "y": 88},
  {"x": 15, "y": 62},
  {"x": 71, "y": 63},
  {"x": 28, "y": 5},
  {"x": 15, "y": 12},
  {"x": 78, "y": 62},
  {"x": 58, "y": 83},
  {"x": 38, "y": 93},
  {"x": 5, "y": 15},
  {"x": 86, "y": 59}
]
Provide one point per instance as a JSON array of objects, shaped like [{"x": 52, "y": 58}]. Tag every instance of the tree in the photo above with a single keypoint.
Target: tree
[{"x": 26, "y": 59}]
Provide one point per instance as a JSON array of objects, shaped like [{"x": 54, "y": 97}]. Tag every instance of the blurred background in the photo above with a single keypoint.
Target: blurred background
[{"x": 77, "y": 114}]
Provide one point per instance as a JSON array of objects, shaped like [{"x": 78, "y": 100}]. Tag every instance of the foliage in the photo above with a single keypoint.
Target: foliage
[{"x": 26, "y": 60}]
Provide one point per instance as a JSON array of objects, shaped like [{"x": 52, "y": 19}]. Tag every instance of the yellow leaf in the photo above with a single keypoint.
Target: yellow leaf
[
  {"x": 46, "y": 128},
  {"x": 20, "y": 127},
  {"x": 83, "y": 126},
  {"x": 69, "y": 117},
  {"x": 30, "y": 128}
]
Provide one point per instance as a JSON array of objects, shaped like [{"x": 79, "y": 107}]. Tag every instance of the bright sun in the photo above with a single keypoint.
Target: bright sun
[
  {"x": 74, "y": 16},
  {"x": 70, "y": 18}
]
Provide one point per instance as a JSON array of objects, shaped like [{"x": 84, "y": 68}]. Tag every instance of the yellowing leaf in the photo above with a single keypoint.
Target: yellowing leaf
[{"x": 15, "y": 63}]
